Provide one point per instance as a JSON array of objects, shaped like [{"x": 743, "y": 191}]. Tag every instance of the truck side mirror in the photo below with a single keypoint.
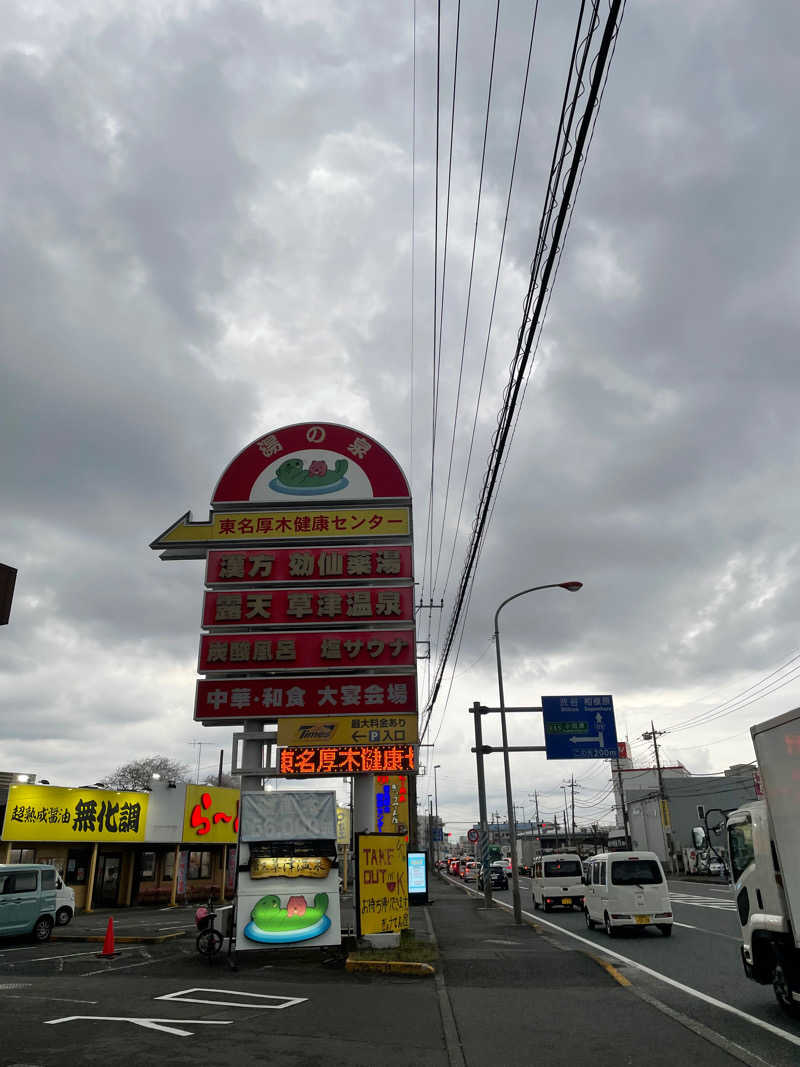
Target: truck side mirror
[{"x": 698, "y": 837}]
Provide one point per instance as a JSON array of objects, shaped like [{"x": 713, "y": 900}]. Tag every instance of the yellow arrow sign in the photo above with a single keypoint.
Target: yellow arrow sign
[{"x": 192, "y": 539}]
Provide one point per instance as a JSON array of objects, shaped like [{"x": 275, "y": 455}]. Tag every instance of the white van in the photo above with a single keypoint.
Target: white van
[
  {"x": 65, "y": 902},
  {"x": 627, "y": 889},
  {"x": 27, "y": 900},
  {"x": 557, "y": 881}
]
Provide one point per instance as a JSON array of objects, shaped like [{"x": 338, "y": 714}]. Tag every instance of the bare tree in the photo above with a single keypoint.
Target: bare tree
[
  {"x": 138, "y": 774},
  {"x": 228, "y": 781}
]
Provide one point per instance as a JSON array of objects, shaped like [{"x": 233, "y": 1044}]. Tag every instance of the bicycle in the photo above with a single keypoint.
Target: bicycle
[{"x": 209, "y": 941}]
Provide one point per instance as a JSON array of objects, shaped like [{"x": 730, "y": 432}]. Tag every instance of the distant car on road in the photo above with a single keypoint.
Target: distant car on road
[
  {"x": 497, "y": 873},
  {"x": 470, "y": 871},
  {"x": 452, "y": 867}
]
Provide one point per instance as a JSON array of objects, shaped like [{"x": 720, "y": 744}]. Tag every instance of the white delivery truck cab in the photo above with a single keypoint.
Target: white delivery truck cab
[
  {"x": 764, "y": 852},
  {"x": 557, "y": 881},
  {"x": 627, "y": 889}
]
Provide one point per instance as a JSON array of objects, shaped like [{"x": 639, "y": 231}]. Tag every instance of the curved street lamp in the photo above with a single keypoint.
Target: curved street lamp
[{"x": 571, "y": 587}]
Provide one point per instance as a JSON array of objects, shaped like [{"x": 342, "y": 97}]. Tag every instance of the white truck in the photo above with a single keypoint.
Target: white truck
[{"x": 764, "y": 850}]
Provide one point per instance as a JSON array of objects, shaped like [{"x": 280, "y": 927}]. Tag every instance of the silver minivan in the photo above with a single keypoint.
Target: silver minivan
[{"x": 27, "y": 900}]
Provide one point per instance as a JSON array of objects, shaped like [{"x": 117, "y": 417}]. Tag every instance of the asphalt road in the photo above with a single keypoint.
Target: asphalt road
[
  {"x": 702, "y": 957},
  {"x": 162, "y": 1003}
]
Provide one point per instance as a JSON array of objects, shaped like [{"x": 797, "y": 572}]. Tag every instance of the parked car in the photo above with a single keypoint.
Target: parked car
[
  {"x": 497, "y": 873},
  {"x": 65, "y": 902},
  {"x": 27, "y": 900}
]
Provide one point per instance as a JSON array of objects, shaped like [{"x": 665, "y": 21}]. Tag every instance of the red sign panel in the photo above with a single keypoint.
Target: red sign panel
[
  {"x": 313, "y": 462},
  {"x": 347, "y": 759},
  {"x": 272, "y": 698},
  {"x": 314, "y": 607},
  {"x": 307, "y": 650},
  {"x": 300, "y": 565}
]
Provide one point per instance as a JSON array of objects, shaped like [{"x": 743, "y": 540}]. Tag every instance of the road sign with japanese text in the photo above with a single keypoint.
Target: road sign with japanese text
[{"x": 579, "y": 727}]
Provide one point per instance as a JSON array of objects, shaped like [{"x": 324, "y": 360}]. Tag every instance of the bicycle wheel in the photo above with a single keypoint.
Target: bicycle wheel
[{"x": 209, "y": 942}]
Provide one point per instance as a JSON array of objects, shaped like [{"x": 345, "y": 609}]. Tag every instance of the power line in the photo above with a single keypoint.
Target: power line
[{"x": 529, "y": 328}]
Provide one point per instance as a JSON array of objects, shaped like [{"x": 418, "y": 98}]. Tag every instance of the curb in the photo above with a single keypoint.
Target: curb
[
  {"x": 411, "y": 970},
  {"x": 143, "y": 939}
]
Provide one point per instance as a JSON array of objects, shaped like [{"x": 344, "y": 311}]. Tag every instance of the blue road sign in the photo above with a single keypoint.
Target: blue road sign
[
  {"x": 438, "y": 833},
  {"x": 579, "y": 727}
]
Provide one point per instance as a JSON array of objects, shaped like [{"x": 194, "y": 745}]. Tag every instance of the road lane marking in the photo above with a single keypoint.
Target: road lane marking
[
  {"x": 68, "y": 956},
  {"x": 285, "y": 1002},
  {"x": 702, "y": 930},
  {"x": 612, "y": 970},
  {"x": 148, "y": 1024},
  {"x": 705, "y": 997},
  {"x": 127, "y": 966}
]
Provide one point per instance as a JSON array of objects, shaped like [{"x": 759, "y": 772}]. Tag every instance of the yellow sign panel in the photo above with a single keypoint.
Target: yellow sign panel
[
  {"x": 391, "y": 804},
  {"x": 211, "y": 815},
  {"x": 348, "y": 730},
  {"x": 382, "y": 884},
  {"x": 342, "y": 826},
  {"x": 291, "y": 524},
  {"x": 51, "y": 813}
]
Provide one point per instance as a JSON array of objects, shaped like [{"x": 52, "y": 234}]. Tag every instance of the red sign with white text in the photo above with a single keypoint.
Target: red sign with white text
[
  {"x": 307, "y": 650},
  {"x": 272, "y": 698},
  {"x": 308, "y": 607},
  {"x": 308, "y": 564}
]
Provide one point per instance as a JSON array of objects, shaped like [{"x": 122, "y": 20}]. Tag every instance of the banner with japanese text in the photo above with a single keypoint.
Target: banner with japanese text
[
  {"x": 391, "y": 804},
  {"x": 382, "y": 883},
  {"x": 308, "y": 564},
  {"x": 270, "y": 698},
  {"x": 308, "y": 607},
  {"x": 307, "y": 651},
  {"x": 53, "y": 813}
]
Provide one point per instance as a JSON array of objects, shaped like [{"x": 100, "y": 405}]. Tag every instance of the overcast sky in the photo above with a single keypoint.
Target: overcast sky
[{"x": 207, "y": 234}]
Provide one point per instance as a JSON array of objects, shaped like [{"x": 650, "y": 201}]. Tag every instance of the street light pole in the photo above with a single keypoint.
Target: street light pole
[{"x": 571, "y": 587}]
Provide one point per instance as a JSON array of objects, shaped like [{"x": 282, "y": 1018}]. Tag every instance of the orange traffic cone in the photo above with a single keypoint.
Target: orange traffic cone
[{"x": 108, "y": 944}]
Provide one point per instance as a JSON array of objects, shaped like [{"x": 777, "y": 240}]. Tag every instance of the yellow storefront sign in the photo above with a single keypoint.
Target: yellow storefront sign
[
  {"x": 382, "y": 900},
  {"x": 347, "y": 730},
  {"x": 211, "y": 815},
  {"x": 51, "y": 813},
  {"x": 342, "y": 826}
]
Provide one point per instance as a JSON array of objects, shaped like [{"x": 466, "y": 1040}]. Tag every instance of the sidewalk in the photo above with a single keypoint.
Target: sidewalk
[{"x": 517, "y": 996}]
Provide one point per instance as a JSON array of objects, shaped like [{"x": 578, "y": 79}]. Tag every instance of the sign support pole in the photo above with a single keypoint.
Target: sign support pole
[{"x": 477, "y": 711}]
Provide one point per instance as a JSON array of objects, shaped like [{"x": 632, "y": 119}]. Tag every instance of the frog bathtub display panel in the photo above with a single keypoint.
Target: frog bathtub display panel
[
  {"x": 288, "y": 911},
  {"x": 310, "y": 462}
]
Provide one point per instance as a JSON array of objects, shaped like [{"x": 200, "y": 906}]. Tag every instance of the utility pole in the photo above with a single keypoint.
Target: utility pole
[
  {"x": 653, "y": 736},
  {"x": 566, "y": 820},
  {"x": 538, "y": 825},
  {"x": 555, "y": 825},
  {"x": 624, "y": 807}
]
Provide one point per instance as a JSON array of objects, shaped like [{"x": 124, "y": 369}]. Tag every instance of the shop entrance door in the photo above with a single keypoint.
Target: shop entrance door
[{"x": 106, "y": 882}]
